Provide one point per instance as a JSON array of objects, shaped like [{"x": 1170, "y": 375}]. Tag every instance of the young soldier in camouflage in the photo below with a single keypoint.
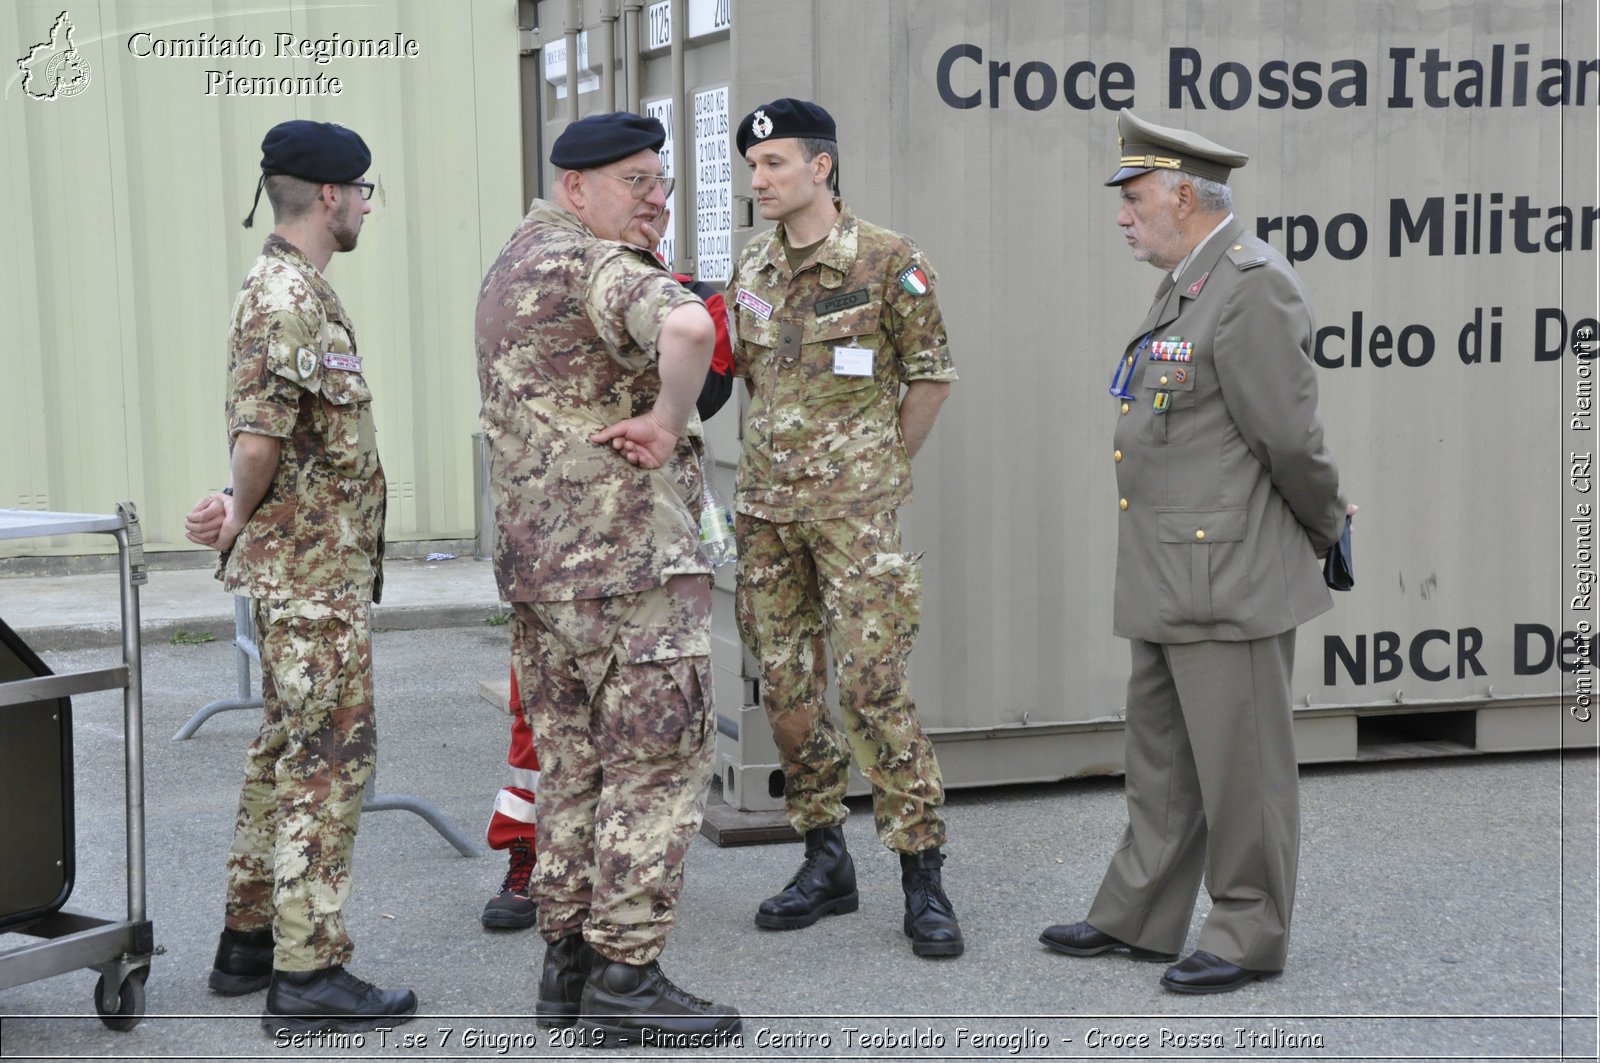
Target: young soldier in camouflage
[
  {"x": 833, "y": 315},
  {"x": 301, "y": 534},
  {"x": 590, "y": 356}
]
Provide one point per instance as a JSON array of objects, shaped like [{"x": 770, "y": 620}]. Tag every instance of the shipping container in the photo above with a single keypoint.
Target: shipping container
[{"x": 1429, "y": 169}]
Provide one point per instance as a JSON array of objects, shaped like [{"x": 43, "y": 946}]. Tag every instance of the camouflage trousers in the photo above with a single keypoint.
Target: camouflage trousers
[
  {"x": 618, "y": 693},
  {"x": 842, "y": 584},
  {"x": 305, "y": 777}
]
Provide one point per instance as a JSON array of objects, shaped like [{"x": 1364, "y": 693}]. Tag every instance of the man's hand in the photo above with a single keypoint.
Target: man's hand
[
  {"x": 206, "y": 522},
  {"x": 643, "y": 440},
  {"x": 1349, "y": 513},
  {"x": 657, "y": 230}
]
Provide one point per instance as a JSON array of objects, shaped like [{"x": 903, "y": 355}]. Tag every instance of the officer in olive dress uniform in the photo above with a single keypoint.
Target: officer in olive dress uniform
[
  {"x": 301, "y": 533},
  {"x": 839, "y": 336},
  {"x": 1227, "y": 494}
]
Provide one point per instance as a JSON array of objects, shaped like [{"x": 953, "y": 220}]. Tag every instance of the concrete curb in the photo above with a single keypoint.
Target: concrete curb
[{"x": 108, "y": 634}]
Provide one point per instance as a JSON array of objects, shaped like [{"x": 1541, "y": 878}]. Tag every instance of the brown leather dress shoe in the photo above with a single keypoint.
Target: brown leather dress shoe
[
  {"x": 1081, "y": 939},
  {"x": 1202, "y": 972}
]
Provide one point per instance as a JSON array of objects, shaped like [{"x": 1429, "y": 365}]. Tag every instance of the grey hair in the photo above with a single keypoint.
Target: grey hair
[
  {"x": 811, "y": 147},
  {"x": 1215, "y": 197}
]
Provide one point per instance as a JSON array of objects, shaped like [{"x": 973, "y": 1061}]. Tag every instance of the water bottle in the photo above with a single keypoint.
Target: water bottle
[{"x": 716, "y": 519}]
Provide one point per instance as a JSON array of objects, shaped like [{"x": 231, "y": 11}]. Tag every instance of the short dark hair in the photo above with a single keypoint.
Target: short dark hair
[
  {"x": 291, "y": 197},
  {"x": 811, "y": 147}
]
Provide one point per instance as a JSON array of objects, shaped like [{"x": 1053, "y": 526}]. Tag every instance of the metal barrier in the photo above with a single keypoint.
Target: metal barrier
[
  {"x": 246, "y": 651},
  {"x": 483, "y": 500}
]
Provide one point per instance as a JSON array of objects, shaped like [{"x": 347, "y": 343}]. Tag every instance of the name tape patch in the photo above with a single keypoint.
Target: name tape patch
[
  {"x": 755, "y": 303},
  {"x": 835, "y": 303}
]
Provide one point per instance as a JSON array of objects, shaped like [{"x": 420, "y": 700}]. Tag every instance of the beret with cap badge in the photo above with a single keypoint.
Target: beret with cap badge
[{"x": 787, "y": 117}]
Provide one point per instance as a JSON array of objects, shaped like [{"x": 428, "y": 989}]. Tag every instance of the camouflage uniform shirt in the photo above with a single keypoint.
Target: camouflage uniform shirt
[
  {"x": 567, "y": 326},
  {"x": 820, "y": 443},
  {"x": 295, "y": 375}
]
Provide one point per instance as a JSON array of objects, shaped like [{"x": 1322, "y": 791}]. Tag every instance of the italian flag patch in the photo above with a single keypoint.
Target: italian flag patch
[{"x": 913, "y": 280}]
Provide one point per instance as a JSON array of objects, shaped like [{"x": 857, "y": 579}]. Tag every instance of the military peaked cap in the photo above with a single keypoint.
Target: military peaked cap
[
  {"x": 1146, "y": 146},
  {"x": 785, "y": 118},
  {"x": 603, "y": 138}
]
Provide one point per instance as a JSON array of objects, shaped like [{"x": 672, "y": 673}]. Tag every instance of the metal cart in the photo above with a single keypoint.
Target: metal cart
[{"x": 120, "y": 949}]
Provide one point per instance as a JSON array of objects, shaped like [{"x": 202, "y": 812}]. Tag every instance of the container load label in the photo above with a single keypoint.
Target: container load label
[
  {"x": 713, "y": 193},
  {"x": 661, "y": 110},
  {"x": 705, "y": 17},
  {"x": 555, "y": 66}
]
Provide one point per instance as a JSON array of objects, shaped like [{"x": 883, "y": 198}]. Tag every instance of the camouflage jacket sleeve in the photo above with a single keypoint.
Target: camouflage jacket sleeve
[
  {"x": 915, "y": 323},
  {"x": 266, "y": 387},
  {"x": 629, "y": 300}
]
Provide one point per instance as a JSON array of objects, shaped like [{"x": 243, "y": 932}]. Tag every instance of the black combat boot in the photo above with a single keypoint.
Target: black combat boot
[
  {"x": 826, "y": 882},
  {"x": 332, "y": 1000},
  {"x": 243, "y": 963},
  {"x": 513, "y": 908},
  {"x": 567, "y": 963},
  {"x": 930, "y": 917},
  {"x": 626, "y": 1004}
]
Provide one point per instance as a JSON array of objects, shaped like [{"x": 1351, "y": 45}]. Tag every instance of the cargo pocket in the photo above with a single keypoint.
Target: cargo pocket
[
  {"x": 891, "y": 610},
  {"x": 1199, "y": 555},
  {"x": 1168, "y": 389},
  {"x": 665, "y": 709},
  {"x": 348, "y": 433}
]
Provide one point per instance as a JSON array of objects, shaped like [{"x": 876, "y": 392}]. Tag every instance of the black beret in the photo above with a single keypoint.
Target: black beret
[
  {"x": 316, "y": 151},
  {"x": 785, "y": 118},
  {"x": 602, "y": 138}
]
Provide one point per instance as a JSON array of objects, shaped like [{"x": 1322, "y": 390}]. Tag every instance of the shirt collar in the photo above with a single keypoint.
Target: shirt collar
[
  {"x": 1178, "y": 270},
  {"x": 838, "y": 250}
]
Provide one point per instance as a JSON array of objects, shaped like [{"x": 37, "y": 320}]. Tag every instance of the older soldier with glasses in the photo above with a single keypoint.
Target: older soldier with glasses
[
  {"x": 590, "y": 358},
  {"x": 1227, "y": 495}
]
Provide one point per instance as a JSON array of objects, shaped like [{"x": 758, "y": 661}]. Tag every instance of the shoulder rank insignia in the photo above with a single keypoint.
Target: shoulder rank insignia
[
  {"x": 1245, "y": 259},
  {"x": 1172, "y": 349},
  {"x": 913, "y": 280},
  {"x": 305, "y": 362}
]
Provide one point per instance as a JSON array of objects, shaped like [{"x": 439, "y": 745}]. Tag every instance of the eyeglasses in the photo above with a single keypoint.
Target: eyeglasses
[
  {"x": 644, "y": 183},
  {"x": 1122, "y": 375},
  {"x": 367, "y": 188}
]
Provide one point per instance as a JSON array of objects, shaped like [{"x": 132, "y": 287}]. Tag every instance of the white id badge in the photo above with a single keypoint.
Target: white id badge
[{"x": 852, "y": 361}]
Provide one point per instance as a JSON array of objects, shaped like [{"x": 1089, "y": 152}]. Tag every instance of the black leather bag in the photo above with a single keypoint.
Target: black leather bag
[{"x": 1338, "y": 569}]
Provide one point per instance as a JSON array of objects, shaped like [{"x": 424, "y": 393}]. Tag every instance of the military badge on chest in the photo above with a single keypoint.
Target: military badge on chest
[{"x": 1176, "y": 350}]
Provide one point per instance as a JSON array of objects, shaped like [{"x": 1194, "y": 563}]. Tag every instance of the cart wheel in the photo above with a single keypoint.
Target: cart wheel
[{"x": 130, "y": 1001}]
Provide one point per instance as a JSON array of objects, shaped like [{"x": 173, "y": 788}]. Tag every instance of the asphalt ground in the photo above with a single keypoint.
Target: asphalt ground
[{"x": 1446, "y": 908}]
